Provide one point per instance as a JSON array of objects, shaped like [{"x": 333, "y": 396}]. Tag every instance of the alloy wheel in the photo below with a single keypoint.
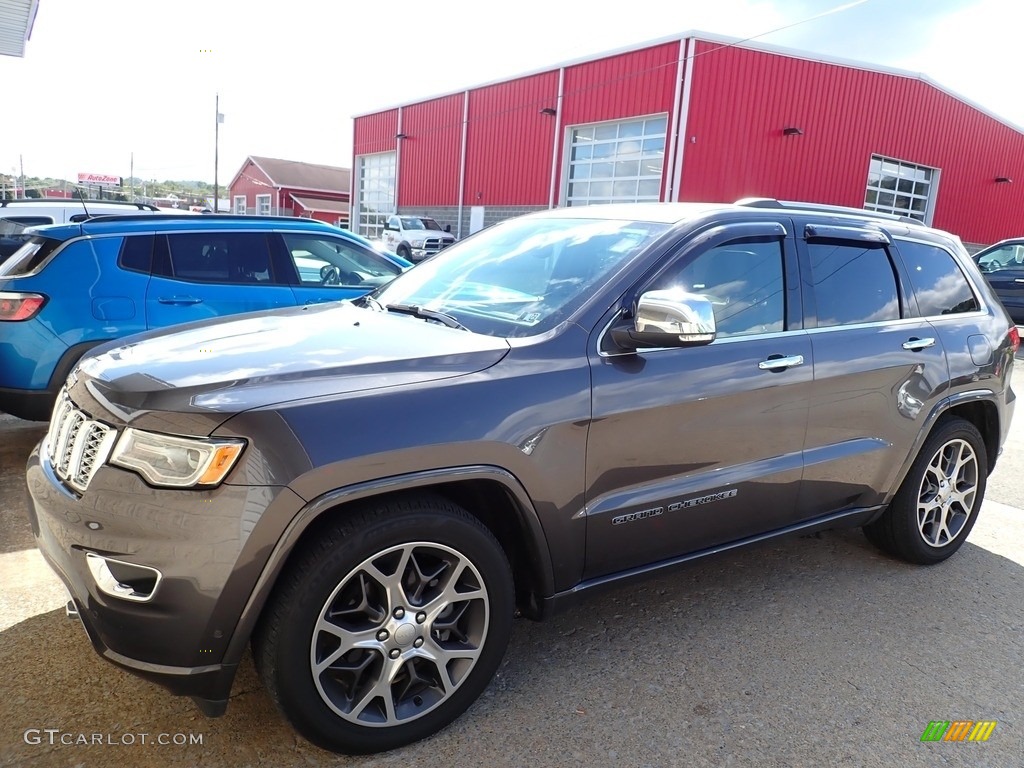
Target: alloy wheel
[
  {"x": 399, "y": 634},
  {"x": 948, "y": 492}
]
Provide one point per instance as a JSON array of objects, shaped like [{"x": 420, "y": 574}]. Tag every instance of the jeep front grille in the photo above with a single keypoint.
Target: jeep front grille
[{"x": 76, "y": 445}]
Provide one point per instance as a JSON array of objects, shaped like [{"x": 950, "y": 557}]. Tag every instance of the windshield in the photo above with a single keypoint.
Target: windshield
[
  {"x": 521, "y": 277},
  {"x": 416, "y": 222}
]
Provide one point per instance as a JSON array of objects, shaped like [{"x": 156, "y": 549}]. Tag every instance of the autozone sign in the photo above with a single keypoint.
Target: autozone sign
[{"x": 99, "y": 179}]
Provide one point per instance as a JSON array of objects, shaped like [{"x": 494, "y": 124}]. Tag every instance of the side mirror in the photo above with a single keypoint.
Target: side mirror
[
  {"x": 448, "y": 228},
  {"x": 668, "y": 319}
]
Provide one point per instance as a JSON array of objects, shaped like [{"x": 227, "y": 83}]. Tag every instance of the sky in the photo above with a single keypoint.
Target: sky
[{"x": 103, "y": 80}]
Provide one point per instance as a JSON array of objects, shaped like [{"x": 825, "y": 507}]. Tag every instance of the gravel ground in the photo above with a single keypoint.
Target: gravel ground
[{"x": 806, "y": 652}]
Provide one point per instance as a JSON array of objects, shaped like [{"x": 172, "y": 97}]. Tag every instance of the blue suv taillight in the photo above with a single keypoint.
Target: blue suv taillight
[{"x": 20, "y": 306}]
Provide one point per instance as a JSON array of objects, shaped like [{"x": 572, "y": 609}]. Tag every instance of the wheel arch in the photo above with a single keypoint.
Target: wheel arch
[
  {"x": 976, "y": 406},
  {"x": 491, "y": 494}
]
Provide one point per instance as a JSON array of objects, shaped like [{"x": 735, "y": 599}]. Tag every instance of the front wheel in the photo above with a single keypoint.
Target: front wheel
[
  {"x": 937, "y": 505},
  {"x": 388, "y": 626}
]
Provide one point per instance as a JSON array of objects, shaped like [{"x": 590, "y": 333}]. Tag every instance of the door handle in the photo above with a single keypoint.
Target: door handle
[
  {"x": 1018, "y": 279},
  {"x": 179, "y": 300},
  {"x": 779, "y": 362},
  {"x": 916, "y": 345}
]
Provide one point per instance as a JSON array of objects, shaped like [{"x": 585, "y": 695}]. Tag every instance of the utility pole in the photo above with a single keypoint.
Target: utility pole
[
  {"x": 21, "y": 161},
  {"x": 131, "y": 176},
  {"x": 216, "y": 151}
]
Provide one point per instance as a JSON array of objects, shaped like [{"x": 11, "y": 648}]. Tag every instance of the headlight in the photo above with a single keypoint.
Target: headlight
[
  {"x": 178, "y": 462},
  {"x": 417, "y": 243}
]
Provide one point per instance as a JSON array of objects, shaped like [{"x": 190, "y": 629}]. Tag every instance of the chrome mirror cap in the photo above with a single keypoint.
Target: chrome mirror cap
[{"x": 670, "y": 318}]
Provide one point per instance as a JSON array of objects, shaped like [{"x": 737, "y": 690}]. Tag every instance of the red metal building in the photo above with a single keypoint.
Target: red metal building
[
  {"x": 693, "y": 117},
  {"x": 273, "y": 187}
]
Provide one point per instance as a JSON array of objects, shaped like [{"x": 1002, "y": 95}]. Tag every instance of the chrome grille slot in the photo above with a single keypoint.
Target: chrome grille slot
[{"x": 76, "y": 445}]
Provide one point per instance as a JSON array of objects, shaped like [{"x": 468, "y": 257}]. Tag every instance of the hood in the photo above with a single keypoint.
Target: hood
[{"x": 217, "y": 368}]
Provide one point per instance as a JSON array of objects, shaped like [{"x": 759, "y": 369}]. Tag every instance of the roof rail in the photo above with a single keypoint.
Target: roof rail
[
  {"x": 769, "y": 202},
  {"x": 166, "y": 216}
]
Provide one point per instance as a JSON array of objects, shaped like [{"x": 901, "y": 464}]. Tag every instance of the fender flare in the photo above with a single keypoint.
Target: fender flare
[
  {"x": 940, "y": 408},
  {"x": 313, "y": 509}
]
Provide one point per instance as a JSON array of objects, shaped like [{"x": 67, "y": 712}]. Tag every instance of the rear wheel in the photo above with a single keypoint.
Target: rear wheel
[
  {"x": 388, "y": 626},
  {"x": 938, "y": 503}
]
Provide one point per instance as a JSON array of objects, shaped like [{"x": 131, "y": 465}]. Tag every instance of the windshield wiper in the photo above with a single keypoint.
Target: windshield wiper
[
  {"x": 426, "y": 314},
  {"x": 366, "y": 299}
]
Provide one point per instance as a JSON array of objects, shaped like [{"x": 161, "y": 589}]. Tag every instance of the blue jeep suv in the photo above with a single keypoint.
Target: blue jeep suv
[{"x": 74, "y": 286}]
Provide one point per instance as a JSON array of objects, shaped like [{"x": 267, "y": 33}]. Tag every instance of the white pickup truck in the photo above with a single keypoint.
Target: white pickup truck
[{"x": 415, "y": 237}]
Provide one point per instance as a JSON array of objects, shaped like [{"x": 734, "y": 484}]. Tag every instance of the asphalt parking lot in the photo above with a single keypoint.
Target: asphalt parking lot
[{"x": 807, "y": 652}]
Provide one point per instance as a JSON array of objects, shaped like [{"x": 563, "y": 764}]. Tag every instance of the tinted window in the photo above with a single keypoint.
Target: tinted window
[
  {"x": 220, "y": 257},
  {"x": 29, "y": 256},
  {"x": 743, "y": 281},
  {"x": 137, "y": 253},
  {"x": 334, "y": 262},
  {"x": 852, "y": 284},
  {"x": 12, "y": 232},
  {"x": 938, "y": 282}
]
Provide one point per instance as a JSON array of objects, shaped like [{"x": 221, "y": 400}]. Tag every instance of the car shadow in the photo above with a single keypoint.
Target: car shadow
[
  {"x": 17, "y": 438},
  {"x": 806, "y": 651}
]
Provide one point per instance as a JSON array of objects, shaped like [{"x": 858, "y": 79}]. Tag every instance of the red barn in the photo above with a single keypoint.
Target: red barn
[
  {"x": 268, "y": 186},
  {"x": 693, "y": 117}
]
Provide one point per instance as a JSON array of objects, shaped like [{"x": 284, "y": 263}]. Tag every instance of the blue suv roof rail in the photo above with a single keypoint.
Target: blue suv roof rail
[
  {"x": 770, "y": 202},
  {"x": 203, "y": 217}
]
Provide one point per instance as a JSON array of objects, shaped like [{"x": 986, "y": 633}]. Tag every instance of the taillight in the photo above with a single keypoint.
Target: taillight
[
  {"x": 1014, "y": 338},
  {"x": 20, "y": 306}
]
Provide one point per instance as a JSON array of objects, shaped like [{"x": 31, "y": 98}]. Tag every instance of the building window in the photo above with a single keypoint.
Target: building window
[
  {"x": 240, "y": 205},
  {"x": 263, "y": 205},
  {"x": 904, "y": 189},
  {"x": 375, "y": 192},
  {"x": 616, "y": 162}
]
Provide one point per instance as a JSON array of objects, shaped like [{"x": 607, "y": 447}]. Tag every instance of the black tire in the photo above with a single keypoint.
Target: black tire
[
  {"x": 348, "y": 577},
  {"x": 952, "y": 496},
  {"x": 404, "y": 252}
]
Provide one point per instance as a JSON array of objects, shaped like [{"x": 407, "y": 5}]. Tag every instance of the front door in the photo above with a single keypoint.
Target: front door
[
  {"x": 199, "y": 275},
  {"x": 695, "y": 447}
]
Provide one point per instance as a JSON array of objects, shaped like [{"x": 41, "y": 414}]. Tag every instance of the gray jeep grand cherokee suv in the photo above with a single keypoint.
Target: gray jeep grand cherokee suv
[{"x": 369, "y": 491}]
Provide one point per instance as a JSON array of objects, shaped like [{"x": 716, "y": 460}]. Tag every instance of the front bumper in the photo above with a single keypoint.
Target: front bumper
[{"x": 200, "y": 543}]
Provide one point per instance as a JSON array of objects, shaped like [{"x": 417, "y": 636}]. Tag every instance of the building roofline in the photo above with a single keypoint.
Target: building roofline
[{"x": 725, "y": 41}]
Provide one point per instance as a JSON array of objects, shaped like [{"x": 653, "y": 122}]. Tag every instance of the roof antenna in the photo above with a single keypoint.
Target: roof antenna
[{"x": 81, "y": 197}]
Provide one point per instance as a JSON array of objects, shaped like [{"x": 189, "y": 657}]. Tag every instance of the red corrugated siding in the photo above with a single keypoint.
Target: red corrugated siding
[
  {"x": 429, "y": 172},
  {"x": 374, "y": 133},
  {"x": 508, "y": 148},
  {"x": 252, "y": 182},
  {"x": 630, "y": 84},
  {"x": 742, "y": 99}
]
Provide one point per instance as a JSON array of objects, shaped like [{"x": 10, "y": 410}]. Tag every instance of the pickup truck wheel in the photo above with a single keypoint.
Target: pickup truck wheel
[
  {"x": 404, "y": 252},
  {"x": 388, "y": 626},
  {"x": 938, "y": 503}
]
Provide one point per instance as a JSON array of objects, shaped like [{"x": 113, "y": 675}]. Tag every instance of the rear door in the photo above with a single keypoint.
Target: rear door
[
  {"x": 199, "y": 275},
  {"x": 695, "y": 447},
  {"x": 878, "y": 368}
]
